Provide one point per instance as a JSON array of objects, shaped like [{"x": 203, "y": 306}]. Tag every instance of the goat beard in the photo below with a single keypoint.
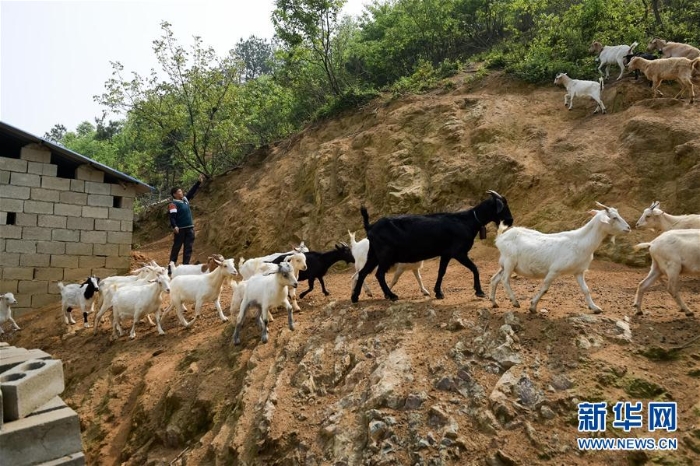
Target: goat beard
[{"x": 482, "y": 232}]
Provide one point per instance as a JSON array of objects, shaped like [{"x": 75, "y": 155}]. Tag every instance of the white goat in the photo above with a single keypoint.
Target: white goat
[
  {"x": 6, "y": 312},
  {"x": 539, "y": 255},
  {"x": 673, "y": 49},
  {"x": 198, "y": 289},
  {"x": 666, "y": 69},
  {"x": 654, "y": 218},
  {"x": 136, "y": 301},
  {"x": 673, "y": 253},
  {"x": 579, "y": 88},
  {"x": 257, "y": 265},
  {"x": 611, "y": 55},
  {"x": 359, "y": 251},
  {"x": 192, "y": 269},
  {"x": 78, "y": 295},
  {"x": 266, "y": 291}
]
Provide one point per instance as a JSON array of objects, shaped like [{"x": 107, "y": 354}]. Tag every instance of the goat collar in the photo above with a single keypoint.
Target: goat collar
[{"x": 477, "y": 218}]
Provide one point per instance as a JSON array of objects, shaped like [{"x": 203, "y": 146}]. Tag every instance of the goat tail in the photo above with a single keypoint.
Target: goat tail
[
  {"x": 60, "y": 286},
  {"x": 602, "y": 83},
  {"x": 641, "y": 246},
  {"x": 632, "y": 47},
  {"x": 365, "y": 218}
]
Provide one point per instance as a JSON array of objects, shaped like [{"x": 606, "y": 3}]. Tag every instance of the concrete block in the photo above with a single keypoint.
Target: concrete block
[
  {"x": 125, "y": 190},
  {"x": 11, "y": 205},
  {"x": 69, "y": 197},
  {"x": 118, "y": 262},
  {"x": 58, "y": 184},
  {"x": 65, "y": 235},
  {"x": 77, "y": 186},
  {"x": 99, "y": 200},
  {"x": 9, "y": 286},
  {"x": 45, "y": 169},
  {"x": 4, "y": 177},
  {"x": 81, "y": 223},
  {"x": 34, "y": 168},
  {"x": 50, "y": 247},
  {"x": 35, "y": 153},
  {"x": 98, "y": 237},
  {"x": 9, "y": 259},
  {"x": 11, "y": 191},
  {"x": 52, "y": 405},
  {"x": 95, "y": 212},
  {"x": 27, "y": 220},
  {"x": 3, "y": 241},
  {"x": 12, "y": 351},
  {"x": 122, "y": 214},
  {"x": 10, "y": 231},
  {"x": 98, "y": 188},
  {"x": 30, "y": 385},
  {"x": 64, "y": 261},
  {"x": 3, "y": 218},
  {"x": 68, "y": 210},
  {"x": 106, "y": 272},
  {"x": 125, "y": 250},
  {"x": 75, "y": 459},
  {"x": 21, "y": 245},
  {"x": 41, "y": 300},
  {"x": 10, "y": 361},
  {"x": 52, "y": 221},
  {"x": 38, "y": 207},
  {"x": 92, "y": 262},
  {"x": 25, "y": 179},
  {"x": 127, "y": 226},
  {"x": 58, "y": 430},
  {"x": 87, "y": 173},
  {"x": 32, "y": 287},
  {"x": 49, "y": 169},
  {"x": 43, "y": 194},
  {"x": 128, "y": 203},
  {"x": 108, "y": 225},
  {"x": 20, "y": 311},
  {"x": 106, "y": 249},
  {"x": 13, "y": 165},
  {"x": 53, "y": 286},
  {"x": 23, "y": 300},
  {"x": 118, "y": 237},
  {"x": 34, "y": 260},
  {"x": 79, "y": 249},
  {"x": 74, "y": 274},
  {"x": 37, "y": 233},
  {"x": 17, "y": 273},
  {"x": 50, "y": 274}
]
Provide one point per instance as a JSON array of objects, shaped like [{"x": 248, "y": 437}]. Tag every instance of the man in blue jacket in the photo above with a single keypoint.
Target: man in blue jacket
[{"x": 181, "y": 222}]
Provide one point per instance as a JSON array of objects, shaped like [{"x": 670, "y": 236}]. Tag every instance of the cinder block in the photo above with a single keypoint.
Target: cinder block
[
  {"x": 68, "y": 210},
  {"x": 34, "y": 168},
  {"x": 9, "y": 259},
  {"x": 17, "y": 273},
  {"x": 11, "y": 191},
  {"x": 13, "y": 165},
  {"x": 126, "y": 190},
  {"x": 87, "y": 173},
  {"x": 35, "y": 153},
  {"x": 25, "y": 179},
  {"x": 52, "y": 221},
  {"x": 69, "y": 197},
  {"x": 106, "y": 249},
  {"x": 98, "y": 237},
  {"x": 50, "y": 274},
  {"x": 59, "y": 431},
  {"x": 38, "y": 207},
  {"x": 127, "y": 226},
  {"x": 51, "y": 182},
  {"x": 44, "y": 169},
  {"x": 41, "y": 300},
  {"x": 53, "y": 286},
  {"x": 4, "y": 177},
  {"x": 32, "y": 287},
  {"x": 95, "y": 212},
  {"x": 64, "y": 261},
  {"x": 34, "y": 260},
  {"x": 50, "y": 247},
  {"x": 79, "y": 249},
  {"x": 20, "y": 245},
  {"x": 30, "y": 385},
  {"x": 49, "y": 169},
  {"x": 10, "y": 231},
  {"x": 98, "y": 188},
  {"x": 121, "y": 214},
  {"x": 118, "y": 262},
  {"x": 3, "y": 241},
  {"x": 9, "y": 286},
  {"x": 10, "y": 361},
  {"x": 108, "y": 225},
  {"x": 81, "y": 223},
  {"x": 106, "y": 272},
  {"x": 26, "y": 220},
  {"x": 37, "y": 233},
  {"x": 23, "y": 300},
  {"x": 77, "y": 186},
  {"x": 11, "y": 205},
  {"x": 125, "y": 250},
  {"x": 52, "y": 405},
  {"x": 73, "y": 274},
  {"x": 3, "y": 218},
  {"x": 20, "y": 311},
  {"x": 128, "y": 203},
  {"x": 92, "y": 262},
  {"x": 65, "y": 235},
  {"x": 75, "y": 459},
  {"x": 118, "y": 237},
  {"x": 43, "y": 194},
  {"x": 99, "y": 200},
  {"x": 12, "y": 351}
]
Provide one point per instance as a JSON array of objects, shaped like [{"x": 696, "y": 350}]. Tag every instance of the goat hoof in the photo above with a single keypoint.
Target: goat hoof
[
  {"x": 494, "y": 304},
  {"x": 439, "y": 296},
  {"x": 689, "y": 314},
  {"x": 480, "y": 294},
  {"x": 597, "y": 311}
]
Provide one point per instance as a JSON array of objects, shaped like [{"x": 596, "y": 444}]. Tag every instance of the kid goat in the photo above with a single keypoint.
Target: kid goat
[
  {"x": 539, "y": 255},
  {"x": 654, "y": 218},
  {"x": 78, "y": 295},
  {"x": 5, "y": 312},
  {"x": 413, "y": 238},
  {"x": 577, "y": 87}
]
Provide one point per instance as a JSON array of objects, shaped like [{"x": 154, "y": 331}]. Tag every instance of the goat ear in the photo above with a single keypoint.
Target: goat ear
[
  {"x": 602, "y": 206},
  {"x": 592, "y": 212},
  {"x": 152, "y": 280},
  {"x": 499, "y": 206},
  {"x": 605, "y": 219}
]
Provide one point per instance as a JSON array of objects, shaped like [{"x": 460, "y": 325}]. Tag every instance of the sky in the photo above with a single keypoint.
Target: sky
[{"x": 55, "y": 55}]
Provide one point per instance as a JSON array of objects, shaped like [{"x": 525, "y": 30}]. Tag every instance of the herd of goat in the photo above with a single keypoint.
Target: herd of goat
[
  {"x": 678, "y": 62},
  {"x": 398, "y": 242}
]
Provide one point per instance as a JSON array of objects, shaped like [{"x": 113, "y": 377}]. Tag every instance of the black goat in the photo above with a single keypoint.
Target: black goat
[
  {"x": 413, "y": 238},
  {"x": 644, "y": 55},
  {"x": 318, "y": 263}
]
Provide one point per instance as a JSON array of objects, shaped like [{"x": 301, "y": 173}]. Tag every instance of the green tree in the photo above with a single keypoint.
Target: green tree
[
  {"x": 56, "y": 134},
  {"x": 257, "y": 56}
]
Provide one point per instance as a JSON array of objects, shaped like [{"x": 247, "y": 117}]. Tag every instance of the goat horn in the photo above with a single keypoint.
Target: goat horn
[
  {"x": 654, "y": 205},
  {"x": 494, "y": 193},
  {"x": 602, "y": 205}
]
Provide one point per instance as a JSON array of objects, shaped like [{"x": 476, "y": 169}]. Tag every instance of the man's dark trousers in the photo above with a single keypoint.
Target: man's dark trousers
[{"x": 184, "y": 237}]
